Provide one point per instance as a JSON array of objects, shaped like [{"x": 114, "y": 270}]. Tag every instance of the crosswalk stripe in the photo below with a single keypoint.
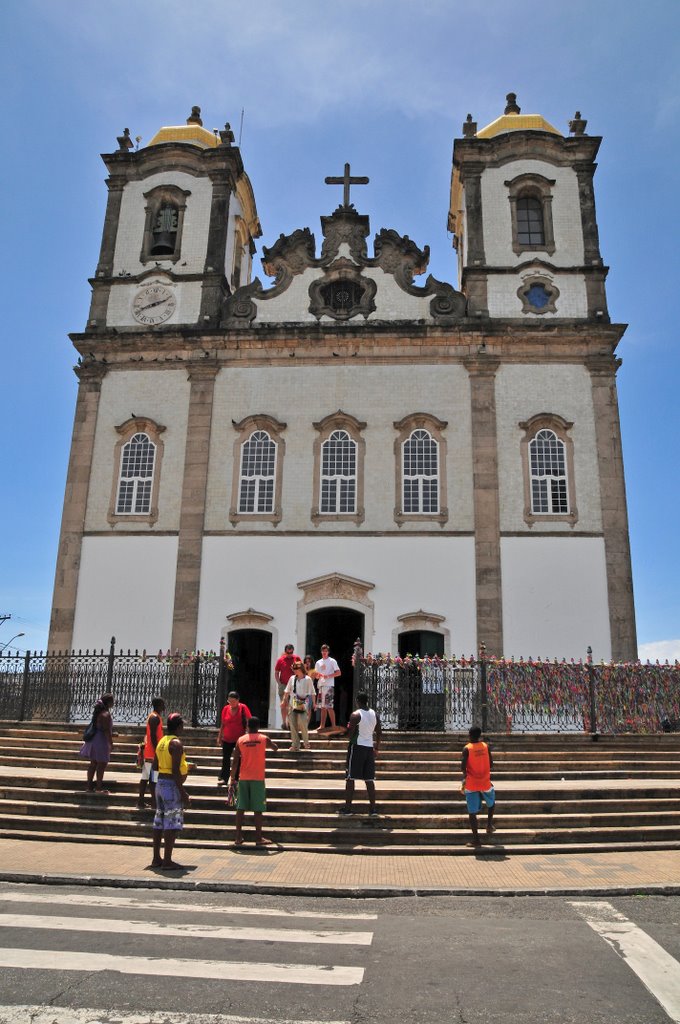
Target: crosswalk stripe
[
  {"x": 24, "y": 1014},
  {"x": 214, "y": 970},
  {"x": 75, "y": 899},
  {"x": 658, "y": 971},
  {"x": 187, "y": 931}
]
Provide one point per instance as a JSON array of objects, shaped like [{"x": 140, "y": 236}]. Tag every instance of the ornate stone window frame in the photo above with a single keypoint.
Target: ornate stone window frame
[
  {"x": 551, "y": 288},
  {"x": 339, "y": 421},
  {"x": 127, "y": 430},
  {"x": 244, "y": 429},
  {"x": 561, "y": 428},
  {"x": 532, "y": 186},
  {"x": 405, "y": 427},
  {"x": 421, "y": 620},
  {"x": 342, "y": 270},
  {"x": 155, "y": 199}
]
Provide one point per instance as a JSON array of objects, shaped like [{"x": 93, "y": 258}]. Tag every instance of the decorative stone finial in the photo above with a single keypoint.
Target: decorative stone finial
[
  {"x": 124, "y": 141},
  {"x": 195, "y": 116},
  {"x": 226, "y": 135},
  {"x": 469, "y": 127},
  {"x": 577, "y": 126},
  {"x": 511, "y": 106}
]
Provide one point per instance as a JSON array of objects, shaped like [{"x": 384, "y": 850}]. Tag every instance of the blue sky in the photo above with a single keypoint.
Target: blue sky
[{"x": 384, "y": 84}]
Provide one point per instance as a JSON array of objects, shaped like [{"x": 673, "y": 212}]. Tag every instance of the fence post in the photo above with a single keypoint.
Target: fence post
[
  {"x": 590, "y": 668},
  {"x": 24, "y": 685},
  {"x": 483, "y": 685},
  {"x": 221, "y": 682},
  {"x": 195, "y": 691},
  {"x": 110, "y": 664},
  {"x": 356, "y": 674}
]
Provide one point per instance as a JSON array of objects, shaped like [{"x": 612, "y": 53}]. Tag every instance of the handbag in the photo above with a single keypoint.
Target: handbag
[
  {"x": 298, "y": 704},
  {"x": 91, "y": 730},
  {"x": 232, "y": 794}
]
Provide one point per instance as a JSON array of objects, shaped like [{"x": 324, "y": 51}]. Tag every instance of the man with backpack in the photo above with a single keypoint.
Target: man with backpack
[{"x": 233, "y": 724}]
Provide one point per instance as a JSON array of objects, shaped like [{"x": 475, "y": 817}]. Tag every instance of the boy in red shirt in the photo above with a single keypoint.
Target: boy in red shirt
[
  {"x": 232, "y": 725},
  {"x": 248, "y": 766}
]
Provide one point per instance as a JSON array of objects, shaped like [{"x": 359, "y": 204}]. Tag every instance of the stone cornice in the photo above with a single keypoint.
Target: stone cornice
[{"x": 469, "y": 153}]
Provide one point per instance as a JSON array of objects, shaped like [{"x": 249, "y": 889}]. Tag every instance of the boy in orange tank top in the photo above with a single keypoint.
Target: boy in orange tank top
[
  {"x": 248, "y": 766},
  {"x": 476, "y": 764}
]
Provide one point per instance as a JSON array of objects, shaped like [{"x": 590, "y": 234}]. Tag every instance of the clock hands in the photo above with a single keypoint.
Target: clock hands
[{"x": 158, "y": 302}]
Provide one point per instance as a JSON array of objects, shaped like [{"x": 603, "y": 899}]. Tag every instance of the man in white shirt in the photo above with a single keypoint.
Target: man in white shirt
[
  {"x": 298, "y": 689},
  {"x": 365, "y": 731},
  {"x": 327, "y": 670}
]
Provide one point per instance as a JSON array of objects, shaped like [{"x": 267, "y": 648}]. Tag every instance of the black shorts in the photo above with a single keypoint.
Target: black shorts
[{"x": 360, "y": 763}]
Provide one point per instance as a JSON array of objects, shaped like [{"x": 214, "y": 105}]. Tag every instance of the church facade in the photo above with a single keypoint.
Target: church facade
[{"x": 346, "y": 451}]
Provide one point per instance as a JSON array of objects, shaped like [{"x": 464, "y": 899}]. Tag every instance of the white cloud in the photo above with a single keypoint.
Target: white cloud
[{"x": 660, "y": 650}]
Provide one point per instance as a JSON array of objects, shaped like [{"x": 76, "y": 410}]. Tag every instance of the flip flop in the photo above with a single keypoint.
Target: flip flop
[
  {"x": 239, "y": 842},
  {"x": 263, "y": 842}
]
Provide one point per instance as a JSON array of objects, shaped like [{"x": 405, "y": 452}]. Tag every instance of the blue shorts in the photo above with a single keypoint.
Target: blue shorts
[
  {"x": 169, "y": 808},
  {"x": 474, "y": 799}
]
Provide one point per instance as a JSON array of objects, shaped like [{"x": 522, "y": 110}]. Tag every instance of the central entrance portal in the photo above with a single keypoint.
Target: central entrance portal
[{"x": 339, "y": 628}]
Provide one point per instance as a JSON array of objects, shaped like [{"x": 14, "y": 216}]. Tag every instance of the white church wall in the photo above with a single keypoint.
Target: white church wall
[
  {"x": 566, "y": 214},
  {"x": 126, "y": 589},
  {"x": 194, "y": 233},
  {"x": 555, "y": 597},
  {"x": 160, "y": 395},
  {"x": 505, "y": 302},
  {"x": 302, "y": 395},
  {"x": 523, "y": 391},
  {"x": 187, "y": 296},
  {"x": 436, "y": 574}
]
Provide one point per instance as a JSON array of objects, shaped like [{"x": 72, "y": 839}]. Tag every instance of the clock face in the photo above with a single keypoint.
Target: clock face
[{"x": 153, "y": 305}]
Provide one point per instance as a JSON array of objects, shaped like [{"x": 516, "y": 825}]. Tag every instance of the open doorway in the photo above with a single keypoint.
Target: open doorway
[
  {"x": 251, "y": 652},
  {"x": 339, "y": 628}
]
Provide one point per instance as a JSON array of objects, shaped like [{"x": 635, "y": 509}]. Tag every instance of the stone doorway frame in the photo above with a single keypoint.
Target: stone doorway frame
[
  {"x": 421, "y": 620},
  {"x": 252, "y": 619},
  {"x": 340, "y": 590}
]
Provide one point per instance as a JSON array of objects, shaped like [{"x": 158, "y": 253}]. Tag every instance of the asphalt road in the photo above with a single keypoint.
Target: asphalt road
[{"x": 79, "y": 955}]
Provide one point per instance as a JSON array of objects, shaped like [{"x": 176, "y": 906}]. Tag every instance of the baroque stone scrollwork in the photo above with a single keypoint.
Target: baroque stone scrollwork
[{"x": 342, "y": 291}]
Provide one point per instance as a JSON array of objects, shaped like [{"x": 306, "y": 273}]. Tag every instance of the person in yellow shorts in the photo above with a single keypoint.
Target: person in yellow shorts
[{"x": 248, "y": 766}]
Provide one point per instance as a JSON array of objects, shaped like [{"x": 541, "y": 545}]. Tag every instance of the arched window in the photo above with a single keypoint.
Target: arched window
[
  {"x": 338, "y": 474},
  {"x": 548, "y": 464},
  {"x": 420, "y": 464},
  {"x": 135, "y": 483},
  {"x": 164, "y": 232},
  {"x": 338, "y": 485},
  {"x": 420, "y": 473},
  {"x": 258, "y": 474},
  {"x": 530, "y": 230},
  {"x": 530, "y": 198}
]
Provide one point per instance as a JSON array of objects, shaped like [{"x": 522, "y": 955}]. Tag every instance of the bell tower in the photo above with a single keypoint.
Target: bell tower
[
  {"x": 179, "y": 230},
  {"x": 522, "y": 213}
]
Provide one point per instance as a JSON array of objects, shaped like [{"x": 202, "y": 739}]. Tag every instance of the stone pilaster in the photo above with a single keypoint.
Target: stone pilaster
[
  {"x": 75, "y": 508},
  {"x": 614, "y": 510},
  {"x": 101, "y": 289},
  {"x": 192, "y": 511},
  {"x": 215, "y": 286},
  {"x": 482, "y": 370}
]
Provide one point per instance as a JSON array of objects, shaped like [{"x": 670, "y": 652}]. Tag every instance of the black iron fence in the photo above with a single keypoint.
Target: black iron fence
[
  {"x": 63, "y": 686},
  {"x": 450, "y": 694}
]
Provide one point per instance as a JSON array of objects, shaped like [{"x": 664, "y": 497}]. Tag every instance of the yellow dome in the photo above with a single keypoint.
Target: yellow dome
[
  {"x": 516, "y": 123},
  {"x": 193, "y": 134}
]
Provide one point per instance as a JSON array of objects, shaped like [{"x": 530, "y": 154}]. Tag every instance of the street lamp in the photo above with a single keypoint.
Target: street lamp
[{"x": 15, "y": 637}]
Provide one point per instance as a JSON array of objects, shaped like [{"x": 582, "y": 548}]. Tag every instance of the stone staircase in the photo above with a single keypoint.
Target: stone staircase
[{"x": 555, "y": 793}]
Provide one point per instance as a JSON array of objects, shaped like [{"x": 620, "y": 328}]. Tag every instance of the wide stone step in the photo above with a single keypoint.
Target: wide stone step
[
  {"x": 354, "y": 832},
  {"x": 101, "y": 810},
  {"x": 329, "y": 802},
  {"x": 490, "y": 849}
]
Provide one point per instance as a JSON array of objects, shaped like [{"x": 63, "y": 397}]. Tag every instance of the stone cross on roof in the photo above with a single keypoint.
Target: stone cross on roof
[{"x": 346, "y": 180}]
